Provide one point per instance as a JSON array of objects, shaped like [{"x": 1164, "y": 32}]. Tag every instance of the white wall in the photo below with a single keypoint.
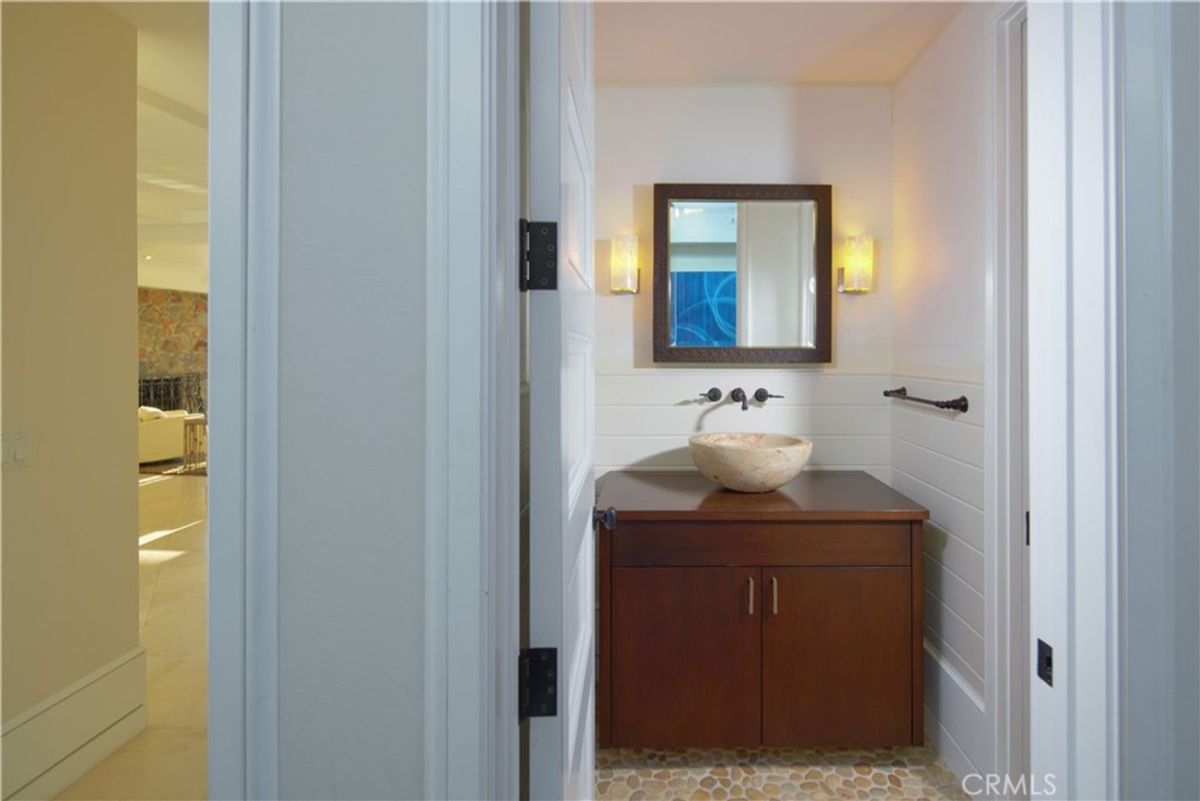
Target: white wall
[
  {"x": 943, "y": 168},
  {"x": 743, "y": 134},
  {"x": 72, "y": 666},
  {"x": 352, "y": 395}
]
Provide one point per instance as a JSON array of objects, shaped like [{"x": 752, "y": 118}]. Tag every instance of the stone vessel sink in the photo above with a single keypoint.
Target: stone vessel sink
[{"x": 750, "y": 462}]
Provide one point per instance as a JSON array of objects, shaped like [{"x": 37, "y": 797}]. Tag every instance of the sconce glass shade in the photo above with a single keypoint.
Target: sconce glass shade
[
  {"x": 623, "y": 265},
  {"x": 859, "y": 265}
]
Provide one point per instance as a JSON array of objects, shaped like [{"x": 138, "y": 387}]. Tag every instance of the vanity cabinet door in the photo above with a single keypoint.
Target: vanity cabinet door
[
  {"x": 837, "y": 656},
  {"x": 686, "y": 656}
]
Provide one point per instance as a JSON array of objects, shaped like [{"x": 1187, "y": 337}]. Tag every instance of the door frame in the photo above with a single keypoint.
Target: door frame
[
  {"x": 472, "y": 391},
  {"x": 1076, "y": 270},
  {"x": 1006, "y": 591},
  {"x": 243, "y": 514},
  {"x": 472, "y": 465}
]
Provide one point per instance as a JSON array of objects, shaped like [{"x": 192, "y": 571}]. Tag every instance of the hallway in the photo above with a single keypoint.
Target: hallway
[{"x": 167, "y": 760}]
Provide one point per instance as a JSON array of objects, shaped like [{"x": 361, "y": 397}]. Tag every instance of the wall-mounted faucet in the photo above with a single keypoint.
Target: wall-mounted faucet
[
  {"x": 738, "y": 395},
  {"x": 761, "y": 395}
]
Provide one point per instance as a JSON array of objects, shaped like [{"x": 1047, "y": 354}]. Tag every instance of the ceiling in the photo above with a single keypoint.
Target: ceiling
[
  {"x": 172, "y": 189},
  {"x": 780, "y": 42}
]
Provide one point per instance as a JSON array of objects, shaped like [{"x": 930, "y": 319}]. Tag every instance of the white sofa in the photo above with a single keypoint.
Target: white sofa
[{"x": 160, "y": 434}]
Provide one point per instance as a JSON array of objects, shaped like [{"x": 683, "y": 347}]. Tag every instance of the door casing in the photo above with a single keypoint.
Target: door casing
[{"x": 470, "y": 516}]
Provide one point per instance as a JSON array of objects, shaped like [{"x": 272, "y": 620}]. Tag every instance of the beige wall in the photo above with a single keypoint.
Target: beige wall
[{"x": 69, "y": 346}]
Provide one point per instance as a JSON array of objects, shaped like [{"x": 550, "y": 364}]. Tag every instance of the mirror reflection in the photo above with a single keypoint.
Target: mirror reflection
[{"x": 742, "y": 273}]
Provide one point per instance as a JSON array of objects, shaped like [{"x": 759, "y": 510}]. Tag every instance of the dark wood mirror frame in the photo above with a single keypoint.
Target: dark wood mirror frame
[{"x": 664, "y": 351}]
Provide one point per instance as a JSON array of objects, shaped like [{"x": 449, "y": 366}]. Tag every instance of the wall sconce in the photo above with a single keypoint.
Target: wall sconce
[
  {"x": 623, "y": 265},
  {"x": 858, "y": 264}
]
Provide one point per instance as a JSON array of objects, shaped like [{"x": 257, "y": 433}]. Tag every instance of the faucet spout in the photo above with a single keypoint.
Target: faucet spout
[{"x": 739, "y": 396}]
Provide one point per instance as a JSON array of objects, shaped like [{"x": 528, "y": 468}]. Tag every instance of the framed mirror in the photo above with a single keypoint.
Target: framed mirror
[{"x": 742, "y": 273}]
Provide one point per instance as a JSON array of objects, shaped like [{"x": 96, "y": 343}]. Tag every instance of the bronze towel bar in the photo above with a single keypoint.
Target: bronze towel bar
[{"x": 958, "y": 404}]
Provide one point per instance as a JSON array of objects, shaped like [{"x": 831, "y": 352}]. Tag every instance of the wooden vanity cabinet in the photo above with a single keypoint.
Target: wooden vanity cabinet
[
  {"x": 790, "y": 618},
  {"x": 836, "y": 657},
  {"x": 690, "y": 659}
]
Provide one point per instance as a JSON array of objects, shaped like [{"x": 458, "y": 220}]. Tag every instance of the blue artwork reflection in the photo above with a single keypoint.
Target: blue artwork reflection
[{"x": 704, "y": 309}]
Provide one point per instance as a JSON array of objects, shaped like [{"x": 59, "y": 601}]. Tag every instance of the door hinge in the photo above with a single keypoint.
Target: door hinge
[
  {"x": 537, "y": 255},
  {"x": 537, "y": 683},
  {"x": 605, "y": 517}
]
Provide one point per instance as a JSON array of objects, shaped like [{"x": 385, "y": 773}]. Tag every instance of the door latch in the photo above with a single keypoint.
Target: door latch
[
  {"x": 1045, "y": 662},
  {"x": 605, "y": 517}
]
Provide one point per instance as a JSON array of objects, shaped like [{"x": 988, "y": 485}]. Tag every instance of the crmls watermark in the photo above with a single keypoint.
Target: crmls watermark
[{"x": 995, "y": 785}]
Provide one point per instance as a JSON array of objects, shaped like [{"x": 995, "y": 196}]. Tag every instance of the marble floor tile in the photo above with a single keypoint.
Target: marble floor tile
[
  {"x": 167, "y": 761},
  {"x": 177, "y": 697},
  {"x": 158, "y": 765}
]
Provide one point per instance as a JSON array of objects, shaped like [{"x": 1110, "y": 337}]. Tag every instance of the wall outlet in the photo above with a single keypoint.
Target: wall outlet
[{"x": 17, "y": 448}]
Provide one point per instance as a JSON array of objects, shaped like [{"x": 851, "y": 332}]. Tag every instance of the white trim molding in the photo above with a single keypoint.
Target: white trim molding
[
  {"x": 1007, "y": 701},
  {"x": 262, "y": 401},
  {"x": 244, "y": 196},
  {"x": 51, "y": 745},
  {"x": 504, "y": 388},
  {"x": 437, "y": 377},
  {"x": 1074, "y": 445},
  {"x": 472, "y": 403}
]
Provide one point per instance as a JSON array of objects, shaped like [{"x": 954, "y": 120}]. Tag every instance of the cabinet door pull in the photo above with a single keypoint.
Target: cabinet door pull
[
  {"x": 774, "y": 596},
  {"x": 750, "y": 595}
]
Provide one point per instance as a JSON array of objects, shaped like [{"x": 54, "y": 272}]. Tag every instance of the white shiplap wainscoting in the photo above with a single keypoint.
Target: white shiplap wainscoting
[
  {"x": 644, "y": 417},
  {"x": 937, "y": 460},
  {"x": 935, "y": 457}
]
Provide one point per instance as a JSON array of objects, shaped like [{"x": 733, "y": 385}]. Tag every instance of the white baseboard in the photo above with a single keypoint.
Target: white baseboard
[
  {"x": 956, "y": 721},
  {"x": 48, "y": 747},
  {"x": 952, "y": 756}
]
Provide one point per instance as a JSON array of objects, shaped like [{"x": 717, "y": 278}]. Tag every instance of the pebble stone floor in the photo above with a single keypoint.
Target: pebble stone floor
[{"x": 819, "y": 774}]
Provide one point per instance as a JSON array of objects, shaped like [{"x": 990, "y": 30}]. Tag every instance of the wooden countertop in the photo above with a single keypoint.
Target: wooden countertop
[{"x": 817, "y": 495}]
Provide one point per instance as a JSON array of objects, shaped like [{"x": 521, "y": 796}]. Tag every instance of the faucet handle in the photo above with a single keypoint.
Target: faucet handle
[
  {"x": 713, "y": 394},
  {"x": 761, "y": 395}
]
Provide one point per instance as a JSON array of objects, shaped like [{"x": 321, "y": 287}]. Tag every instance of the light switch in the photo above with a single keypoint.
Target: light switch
[{"x": 17, "y": 446}]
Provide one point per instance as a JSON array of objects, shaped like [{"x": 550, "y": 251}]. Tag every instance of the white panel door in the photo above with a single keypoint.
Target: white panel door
[{"x": 562, "y": 396}]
